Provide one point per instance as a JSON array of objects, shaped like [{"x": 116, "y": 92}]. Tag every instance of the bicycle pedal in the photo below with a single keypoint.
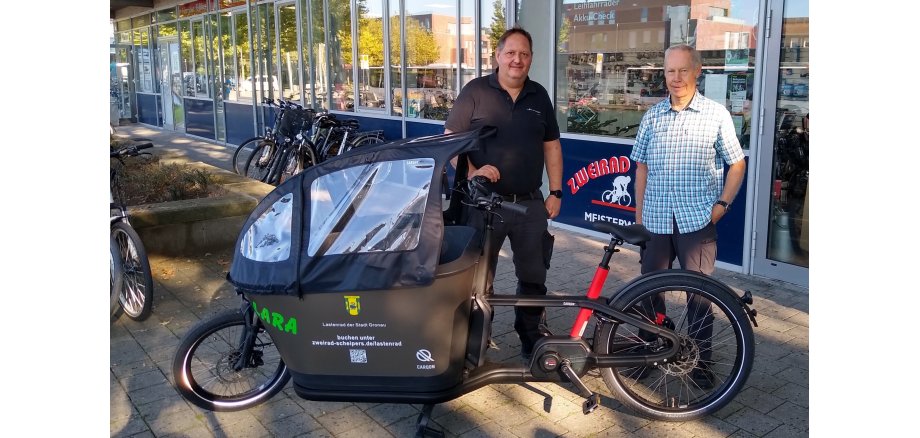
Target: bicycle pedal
[
  {"x": 493, "y": 345},
  {"x": 591, "y": 403}
]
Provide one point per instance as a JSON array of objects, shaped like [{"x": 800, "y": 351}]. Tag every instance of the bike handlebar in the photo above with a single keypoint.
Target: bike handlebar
[{"x": 484, "y": 198}]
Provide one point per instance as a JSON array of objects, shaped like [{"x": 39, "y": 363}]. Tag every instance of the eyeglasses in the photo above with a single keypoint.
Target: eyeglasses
[{"x": 511, "y": 54}]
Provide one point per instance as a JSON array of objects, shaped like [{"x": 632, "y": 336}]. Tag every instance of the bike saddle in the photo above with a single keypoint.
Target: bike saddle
[{"x": 635, "y": 234}]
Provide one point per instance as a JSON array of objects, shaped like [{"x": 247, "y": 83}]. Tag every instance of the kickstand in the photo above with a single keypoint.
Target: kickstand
[{"x": 423, "y": 429}]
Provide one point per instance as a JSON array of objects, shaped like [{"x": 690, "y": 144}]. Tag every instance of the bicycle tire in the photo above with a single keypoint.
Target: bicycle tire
[
  {"x": 116, "y": 278},
  {"x": 136, "y": 295},
  {"x": 244, "y": 150},
  {"x": 259, "y": 164},
  {"x": 302, "y": 157},
  {"x": 363, "y": 141},
  {"x": 669, "y": 392},
  {"x": 201, "y": 366}
]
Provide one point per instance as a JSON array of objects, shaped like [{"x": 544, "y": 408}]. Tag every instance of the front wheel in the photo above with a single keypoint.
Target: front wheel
[
  {"x": 716, "y": 354},
  {"x": 136, "y": 296},
  {"x": 209, "y": 373},
  {"x": 116, "y": 278},
  {"x": 243, "y": 152}
]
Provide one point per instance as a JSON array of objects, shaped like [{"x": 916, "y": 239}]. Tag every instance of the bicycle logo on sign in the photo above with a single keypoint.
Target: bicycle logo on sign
[{"x": 618, "y": 194}]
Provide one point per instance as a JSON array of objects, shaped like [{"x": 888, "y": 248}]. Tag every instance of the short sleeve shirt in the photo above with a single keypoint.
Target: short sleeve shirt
[
  {"x": 523, "y": 126},
  {"x": 684, "y": 152}
]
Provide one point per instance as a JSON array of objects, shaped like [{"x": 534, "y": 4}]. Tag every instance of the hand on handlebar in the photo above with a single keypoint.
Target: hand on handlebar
[
  {"x": 484, "y": 197},
  {"x": 488, "y": 171}
]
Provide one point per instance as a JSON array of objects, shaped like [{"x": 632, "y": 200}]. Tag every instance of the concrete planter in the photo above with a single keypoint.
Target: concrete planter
[{"x": 197, "y": 226}]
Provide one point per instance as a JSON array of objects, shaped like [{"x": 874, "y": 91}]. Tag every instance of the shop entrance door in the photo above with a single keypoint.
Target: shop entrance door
[
  {"x": 781, "y": 224},
  {"x": 170, "y": 84}
]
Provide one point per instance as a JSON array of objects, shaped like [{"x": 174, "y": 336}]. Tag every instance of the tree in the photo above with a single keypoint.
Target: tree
[
  {"x": 421, "y": 44},
  {"x": 497, "y": 28}
]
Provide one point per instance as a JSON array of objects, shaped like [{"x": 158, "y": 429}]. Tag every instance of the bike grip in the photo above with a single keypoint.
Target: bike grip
[
  {"x": 144, "y": 146},
  {"x": 515, "y": 208}
]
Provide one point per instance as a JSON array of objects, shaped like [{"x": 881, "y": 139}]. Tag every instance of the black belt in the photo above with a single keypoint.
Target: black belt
[{"x": 536, "y": 194}]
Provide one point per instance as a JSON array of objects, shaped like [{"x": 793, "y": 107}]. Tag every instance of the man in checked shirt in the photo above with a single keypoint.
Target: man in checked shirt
[{"x": 680, "y": 148}]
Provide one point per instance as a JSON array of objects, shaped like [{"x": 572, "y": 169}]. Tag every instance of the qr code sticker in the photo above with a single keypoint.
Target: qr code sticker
[{"x": 358, "y": 356}]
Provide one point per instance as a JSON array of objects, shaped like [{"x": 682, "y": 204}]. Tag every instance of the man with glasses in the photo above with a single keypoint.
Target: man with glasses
[
  {"x": 680, "y": 148},
  {"x": 527, "y": 139}
]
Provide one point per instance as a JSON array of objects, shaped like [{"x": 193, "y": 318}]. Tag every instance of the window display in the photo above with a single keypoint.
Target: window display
[{"x": 609, "y": 59}]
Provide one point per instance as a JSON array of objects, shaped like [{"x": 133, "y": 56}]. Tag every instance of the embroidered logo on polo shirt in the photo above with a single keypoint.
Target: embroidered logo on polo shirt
[{"x": 538, "y": 112}]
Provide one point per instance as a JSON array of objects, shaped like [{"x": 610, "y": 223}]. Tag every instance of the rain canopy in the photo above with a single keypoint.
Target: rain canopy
[{"x": 368, "y": 219}]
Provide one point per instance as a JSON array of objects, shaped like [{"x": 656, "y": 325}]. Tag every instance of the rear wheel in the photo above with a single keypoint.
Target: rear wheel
[
  {"x": 242, "y": 153},
  {"x": 717, "y": 346},
  {"x": 136, "y": 296},
  {"x": 209, "y": 373},
  {"x": 364, "y": 141}
]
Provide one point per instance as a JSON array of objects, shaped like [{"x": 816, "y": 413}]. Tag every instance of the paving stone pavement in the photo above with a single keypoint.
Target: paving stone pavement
[{"x": 144, "y": 403}]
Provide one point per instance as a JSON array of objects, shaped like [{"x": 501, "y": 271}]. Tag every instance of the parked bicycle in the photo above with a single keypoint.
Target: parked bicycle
[
  {"x": 325, "y": 137},
  {"x": 352, "y": 286},
  {"x": 132, "y": 281},
  {"x": 286, "y": 125}
]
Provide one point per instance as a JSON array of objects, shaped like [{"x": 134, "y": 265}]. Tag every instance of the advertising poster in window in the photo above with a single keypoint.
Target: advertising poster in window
[{"x": 597, "y": 184}]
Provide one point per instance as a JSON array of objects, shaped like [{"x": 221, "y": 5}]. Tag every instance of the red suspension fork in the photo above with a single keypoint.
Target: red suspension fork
[{"x": 594, "y": 290}]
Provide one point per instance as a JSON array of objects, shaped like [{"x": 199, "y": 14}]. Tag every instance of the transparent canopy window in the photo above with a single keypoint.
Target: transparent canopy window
[{"x": 369, "y": 208}]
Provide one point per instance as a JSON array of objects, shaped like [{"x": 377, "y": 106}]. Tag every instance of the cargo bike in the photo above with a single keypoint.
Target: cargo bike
[{"x": 354, "y": 286}]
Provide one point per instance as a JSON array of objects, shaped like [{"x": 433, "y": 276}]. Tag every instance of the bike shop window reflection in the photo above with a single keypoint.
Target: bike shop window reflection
[
  {"x": 789, "y": 203},
  {"x": 610, "y": 56}
]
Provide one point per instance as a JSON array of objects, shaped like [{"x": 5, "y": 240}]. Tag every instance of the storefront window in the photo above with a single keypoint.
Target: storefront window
[
  {"x": 493, "y": 25},
  {"x": 240, "y": 59},
  {"x": 370, "y": 55},
  {"x": 610, "y": 56},
  {"x": 143, "y": 60},
  {"x": 290, "y": 58},
  {"x": 431, "y": 60},
  {"x": 188, "y": 72},
  {"x": 396, "y": 70},
  {"x": 789, "y": 203},
  {"x": 199, "y": 60},
  {"x": 468, "y": 43},
  {"x": 166, "y": 15},
  {"x": 318, "y": 85},
  {"x": 340, "y": 55}
]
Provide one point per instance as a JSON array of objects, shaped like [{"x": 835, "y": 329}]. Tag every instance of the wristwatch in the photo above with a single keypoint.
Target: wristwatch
[
  {"x": 556, "y": 193},
  {"x": 724, "y": 204}
]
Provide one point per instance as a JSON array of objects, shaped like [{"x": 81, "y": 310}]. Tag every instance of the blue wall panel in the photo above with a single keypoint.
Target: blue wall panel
[
  {"x": 199, "y": 118},
  {"x": 147, "y": 109},
  {"x": 416, "y": 129},
  {"x": 238, "y": 122},
  {"x": 392, "y": 129}
]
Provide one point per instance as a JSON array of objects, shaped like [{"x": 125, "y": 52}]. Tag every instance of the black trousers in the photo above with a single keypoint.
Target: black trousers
[
  {"x": 526, "y": 234},
  {"x": 696, "y": 251}
]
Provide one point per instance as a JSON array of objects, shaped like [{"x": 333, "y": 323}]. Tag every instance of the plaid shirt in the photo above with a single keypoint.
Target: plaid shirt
[{"x": 684, "y": 174}]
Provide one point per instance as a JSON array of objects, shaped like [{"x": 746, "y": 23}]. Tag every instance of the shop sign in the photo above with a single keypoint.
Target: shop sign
[
  {"x": 196, "y": 7},
  {"x": 598, "y": 183},
  {"x": 226, "y": 4}
]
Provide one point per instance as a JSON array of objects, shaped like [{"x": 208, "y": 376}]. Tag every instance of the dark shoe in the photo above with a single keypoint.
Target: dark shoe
[{"x": 703, "y": 377}]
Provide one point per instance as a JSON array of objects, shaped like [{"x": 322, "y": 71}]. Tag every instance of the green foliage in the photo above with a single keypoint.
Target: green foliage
[{"x": 498, "y": 25}]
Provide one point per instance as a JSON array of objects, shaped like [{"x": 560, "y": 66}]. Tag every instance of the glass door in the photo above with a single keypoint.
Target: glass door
[
  {"x": 782, "y": 224},
  {"x": 171, "y": 84}
]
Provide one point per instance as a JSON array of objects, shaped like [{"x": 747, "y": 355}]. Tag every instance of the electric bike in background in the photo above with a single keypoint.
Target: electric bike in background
[
  {"x": 132, "y": 281},
  {"x": 354, "y": 287}
]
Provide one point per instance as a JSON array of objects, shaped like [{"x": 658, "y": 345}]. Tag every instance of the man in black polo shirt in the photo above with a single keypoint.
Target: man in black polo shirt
[{"x": 513, "y": 159}]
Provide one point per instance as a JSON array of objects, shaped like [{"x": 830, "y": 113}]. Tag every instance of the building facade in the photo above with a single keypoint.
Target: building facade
[{"x": 205, "y": 67}]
